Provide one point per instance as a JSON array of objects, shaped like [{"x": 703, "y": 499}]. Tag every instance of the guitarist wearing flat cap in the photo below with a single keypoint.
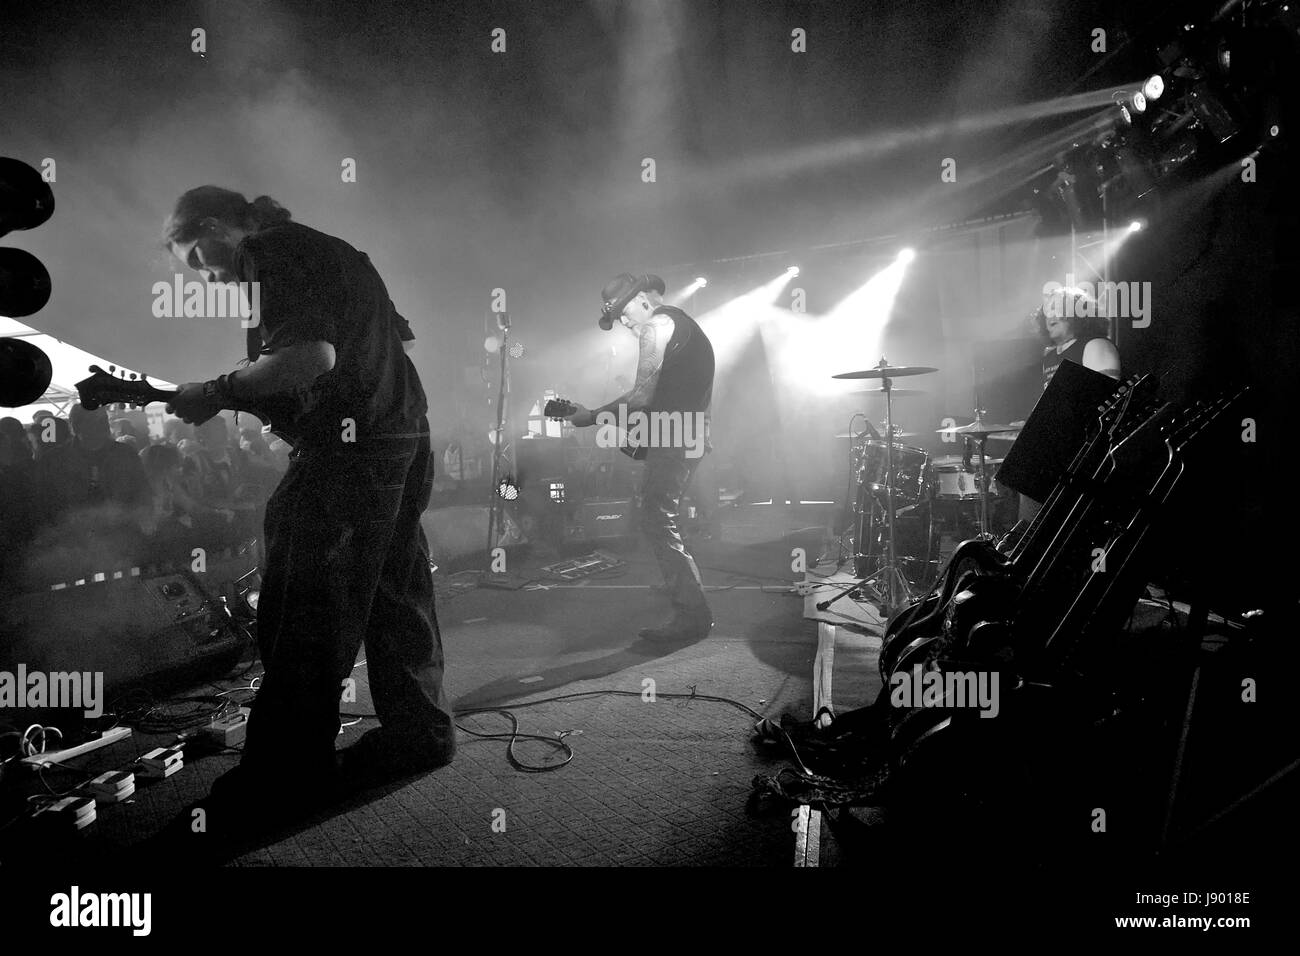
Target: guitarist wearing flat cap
[{"x": 674, "y": 375}]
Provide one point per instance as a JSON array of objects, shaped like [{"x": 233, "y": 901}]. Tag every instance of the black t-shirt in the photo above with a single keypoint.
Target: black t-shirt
[
  {"x": 314, "y": 287},
  {"x": 1052, "y": 358}
]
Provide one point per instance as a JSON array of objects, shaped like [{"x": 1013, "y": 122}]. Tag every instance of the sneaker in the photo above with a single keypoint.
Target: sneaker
[{"x": 382, "y": 755}]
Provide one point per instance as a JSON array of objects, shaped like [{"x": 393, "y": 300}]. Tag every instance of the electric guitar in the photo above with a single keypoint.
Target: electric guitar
[
  {"x": 103, "y": 388},
  {"x": 915, "y": 629},
  {"x": 559, "y": 409}
]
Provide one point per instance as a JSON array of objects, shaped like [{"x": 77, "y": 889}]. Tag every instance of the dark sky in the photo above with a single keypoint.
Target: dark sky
[{"x": 519, "y": 170}]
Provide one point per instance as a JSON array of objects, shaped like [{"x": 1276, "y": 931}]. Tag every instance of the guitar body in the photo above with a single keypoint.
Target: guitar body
[{"x": 924, "y": 619}]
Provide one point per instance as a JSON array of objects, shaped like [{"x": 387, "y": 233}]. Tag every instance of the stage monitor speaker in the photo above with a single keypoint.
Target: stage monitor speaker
[
  {"x": 600, "y": 521},
  {"x": 159, "y": 630}
]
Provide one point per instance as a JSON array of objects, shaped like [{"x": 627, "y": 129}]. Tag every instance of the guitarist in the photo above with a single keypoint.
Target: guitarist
[
  {"x": 674, "y": 374},
  {"x": 346, "y": 560}
]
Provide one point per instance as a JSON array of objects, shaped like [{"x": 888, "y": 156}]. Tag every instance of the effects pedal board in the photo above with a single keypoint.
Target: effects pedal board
[{"x": 228, "y": 731}]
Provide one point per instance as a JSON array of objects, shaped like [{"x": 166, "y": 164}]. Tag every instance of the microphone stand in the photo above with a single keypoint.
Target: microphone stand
[{"x": 496, "y": 508}]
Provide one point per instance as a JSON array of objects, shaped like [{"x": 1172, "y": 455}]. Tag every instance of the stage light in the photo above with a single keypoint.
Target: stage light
[
  {"x": 792, "y": 271},
  {"x": 731, "y": 325},
  {"x": 1122, "y": 101},
  {"x": 680, "y": 295},
  {"x": 811, "y": 348},
  {"x": 492, "y": 344},
  {"x": 517, "y": 350},
  {"x": 1153, "y": 87},
  {"x": 906, "y": 255},
  {"x": 1212, "y": 113},
  {"x": 1224, "y": 56},
  {"x": 508, "y": 489},
  {"x": 1139, "y": 102},
  {"x": 1135, "y": 225}
]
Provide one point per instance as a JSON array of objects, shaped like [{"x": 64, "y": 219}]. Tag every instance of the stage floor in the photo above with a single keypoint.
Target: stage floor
[{"x": 650, "y": 784}]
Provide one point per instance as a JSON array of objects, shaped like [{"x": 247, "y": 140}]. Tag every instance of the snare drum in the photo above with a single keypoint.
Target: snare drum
[
  {"x": 953, "y": 481},
  {"x": 911, "y": 471}
]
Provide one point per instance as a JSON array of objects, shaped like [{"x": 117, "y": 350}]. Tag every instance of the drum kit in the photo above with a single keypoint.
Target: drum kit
[{"x": 895, "y": 541}]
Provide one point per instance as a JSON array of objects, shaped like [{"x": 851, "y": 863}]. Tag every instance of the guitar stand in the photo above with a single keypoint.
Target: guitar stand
[{"x": 1197, "y": 619}]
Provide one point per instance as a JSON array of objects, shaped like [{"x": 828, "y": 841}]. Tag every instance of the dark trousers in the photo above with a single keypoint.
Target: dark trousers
[
  {"x": 347, "y": 563},
  {"x": 667, "y": 473}
]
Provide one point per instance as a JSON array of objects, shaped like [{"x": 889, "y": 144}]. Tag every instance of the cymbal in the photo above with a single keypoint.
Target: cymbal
[
  {"x": 888, "y": 371},
  {"x": 976, "y": 427},
  {"x": 892, "y": 391}
]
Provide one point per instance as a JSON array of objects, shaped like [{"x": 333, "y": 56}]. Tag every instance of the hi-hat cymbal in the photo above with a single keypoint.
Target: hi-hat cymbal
[
  {"x": 892, "y": 391},
  {"x": 888, "y": 371},
  {"x": 977, "y": 428}
]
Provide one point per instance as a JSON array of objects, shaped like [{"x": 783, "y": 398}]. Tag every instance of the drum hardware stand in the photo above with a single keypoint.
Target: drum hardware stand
[
  {"x": 848, "y": 513},
  {"x": 897, "y": 592},
  {"x": 982, "y": 439},
  {"x": 980, "y": 431},
  {"x": 983, "y": 479}
]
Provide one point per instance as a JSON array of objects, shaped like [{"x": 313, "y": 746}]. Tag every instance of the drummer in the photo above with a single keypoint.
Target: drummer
[{"x": 1072, "y": 331}]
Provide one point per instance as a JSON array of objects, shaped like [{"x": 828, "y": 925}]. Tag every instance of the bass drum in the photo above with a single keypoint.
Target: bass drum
[
  {"x": 917, "y": 539},
  {"x": 911, "y": 471}
]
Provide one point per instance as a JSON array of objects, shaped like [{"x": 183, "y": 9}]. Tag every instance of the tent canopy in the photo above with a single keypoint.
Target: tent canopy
[{"x": 71, "y": 365}]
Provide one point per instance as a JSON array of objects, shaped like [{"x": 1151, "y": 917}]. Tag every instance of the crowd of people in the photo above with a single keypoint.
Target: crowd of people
[{"x": 97, "y": 486}]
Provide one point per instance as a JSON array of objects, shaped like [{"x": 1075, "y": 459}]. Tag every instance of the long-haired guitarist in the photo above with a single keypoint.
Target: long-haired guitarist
[
  {"x": 346, "y": 560},
  {"x": 674, "y": 384}
]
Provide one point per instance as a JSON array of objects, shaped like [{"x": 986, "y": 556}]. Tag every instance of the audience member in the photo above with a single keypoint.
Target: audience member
[{"x": 91, "y": 470}]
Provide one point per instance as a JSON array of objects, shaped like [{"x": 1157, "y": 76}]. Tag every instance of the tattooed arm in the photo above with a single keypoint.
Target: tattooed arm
[
  {"x": 652, "y": 344},
  {"x": 652, "y": 341}
]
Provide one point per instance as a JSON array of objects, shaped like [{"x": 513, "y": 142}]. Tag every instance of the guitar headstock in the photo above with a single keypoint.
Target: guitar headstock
[
  {"x": 1131, "y": 401},
  {"x": 559, "y": 409},
  {"x": 105, "y": 388}
]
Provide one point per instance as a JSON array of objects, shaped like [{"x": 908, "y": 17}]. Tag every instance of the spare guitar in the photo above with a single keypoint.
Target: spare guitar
[
  {"x": 915, "y": 629},
  {"x": 559, "y": 409},
  {"x": 103, "y": 388}
]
